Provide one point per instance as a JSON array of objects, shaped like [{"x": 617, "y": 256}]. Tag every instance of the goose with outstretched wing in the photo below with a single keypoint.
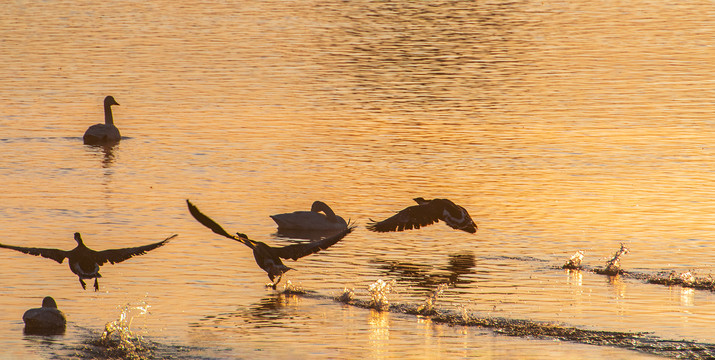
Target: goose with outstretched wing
[
  {"x": 427, "y": 212},
  {"x": 84, "y": 261},
  {"x": 268, "y": 257}
]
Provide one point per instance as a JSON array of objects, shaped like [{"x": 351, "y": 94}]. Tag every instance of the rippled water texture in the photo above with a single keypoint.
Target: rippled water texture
[{"x": 560, "y": 126}]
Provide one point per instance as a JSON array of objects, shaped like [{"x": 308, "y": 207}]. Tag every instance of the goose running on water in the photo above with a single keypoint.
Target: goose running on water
[
  {"x": 107, "y": 133},
  {"x": 427, "y": 212},
  {"x": 311, "y": 220},
  {"x": 84, "y": 261},
  {"x": 268, "y": 257}
]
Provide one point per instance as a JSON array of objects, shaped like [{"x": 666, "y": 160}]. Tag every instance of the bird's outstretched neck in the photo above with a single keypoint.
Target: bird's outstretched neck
[{"x": 108, "y": 102}]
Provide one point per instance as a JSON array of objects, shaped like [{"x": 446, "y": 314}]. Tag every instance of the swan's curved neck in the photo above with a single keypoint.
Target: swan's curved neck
[
  {"x": 319, "y": 206},
  {"x": 108, "y": 119}
]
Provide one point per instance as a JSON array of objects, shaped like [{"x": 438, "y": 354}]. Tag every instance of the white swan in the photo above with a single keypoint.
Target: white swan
[
  {"x": 107, "y": 133},
  {"x": 311, "y": 220}
]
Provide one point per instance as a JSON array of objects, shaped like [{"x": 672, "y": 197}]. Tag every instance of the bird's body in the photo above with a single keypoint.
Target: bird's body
[
  {"x": 85, "y": 262},
  {"x": 268, "y": 257},
  {"x": 46, "y": 320},
  {"x": 427, "y": 212},
  {"x": 311, "y": 220},
  {"x": 107, "y": 133}
]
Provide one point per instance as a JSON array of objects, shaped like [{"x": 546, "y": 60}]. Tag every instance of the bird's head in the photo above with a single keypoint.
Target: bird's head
[
  {"x": 470, "y": 228},
  {"x": 49, "y": 302},
  {"x": 78, "y": 238},
  {"x": 109, "y": 101}
]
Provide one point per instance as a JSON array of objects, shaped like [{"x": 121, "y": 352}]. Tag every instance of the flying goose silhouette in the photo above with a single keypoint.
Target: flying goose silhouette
[
  {"x": 84, "y": 261},
  {"x": 268, "y": 257},
  {"x": 107, "y": 133},
  {"x": 310, "y": 220},
  {"x": 427, "y": 212}
]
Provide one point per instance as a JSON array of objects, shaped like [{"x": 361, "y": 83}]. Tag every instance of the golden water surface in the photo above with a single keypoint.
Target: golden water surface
[{"x": 560, "y": 125}]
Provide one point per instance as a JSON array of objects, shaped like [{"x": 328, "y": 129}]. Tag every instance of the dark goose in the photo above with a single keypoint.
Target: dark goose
[
  {"x": 84, "y": 261},
  {"x": 269, "y": 257},
  {"x": 427, "y": 212}
]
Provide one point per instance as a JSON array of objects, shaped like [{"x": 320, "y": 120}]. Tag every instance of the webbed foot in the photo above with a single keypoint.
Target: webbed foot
[{"x": 275, "y": 283}]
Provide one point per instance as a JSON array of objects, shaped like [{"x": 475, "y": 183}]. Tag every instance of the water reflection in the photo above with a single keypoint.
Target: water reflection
[
  {"x": 574, "y": 278},
  {"x": 618, "y": 286},
  {"x": 425, "y": 276},
  {"x": 379, "y": 335},
  {"x": 107, "y": 151},
  {"x": 687, "y": 297},
  {"x": 270, "y": 311}
]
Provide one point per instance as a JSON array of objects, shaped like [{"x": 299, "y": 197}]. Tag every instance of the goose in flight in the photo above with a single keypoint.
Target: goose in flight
[
  {"x": 84, "y": 261},
  {"x": 311, "y": 220},
  {"x": 268, "y": 257},
  {"x": 107, "y": 133},
  {"x": 427, "y": 212}
]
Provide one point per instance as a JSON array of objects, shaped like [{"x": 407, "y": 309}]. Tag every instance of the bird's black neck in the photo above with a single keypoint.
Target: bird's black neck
[{"x": 108, "y": 119}]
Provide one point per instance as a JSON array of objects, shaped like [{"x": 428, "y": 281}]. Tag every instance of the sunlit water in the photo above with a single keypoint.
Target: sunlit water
[{"x": 560, "y": 126}]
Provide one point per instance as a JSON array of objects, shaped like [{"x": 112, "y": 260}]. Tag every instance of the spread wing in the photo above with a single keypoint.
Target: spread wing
[
  {"x": 119, "y": 255},
  {"x": 297, "y": 251},
  {"x": 215, "y": 227},
  {"x": 54, "y": 254},
  {"x": 412, "y": 217}
]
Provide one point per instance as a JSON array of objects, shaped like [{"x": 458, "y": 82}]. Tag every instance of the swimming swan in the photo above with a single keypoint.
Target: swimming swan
[
  {"x": 107, "y": 133},
  {"x": 269, "y": 257},
  {"x": 84, "y": 261},
  {"x": 311, "y": 220},
  {"x": 427, "y": 212}
]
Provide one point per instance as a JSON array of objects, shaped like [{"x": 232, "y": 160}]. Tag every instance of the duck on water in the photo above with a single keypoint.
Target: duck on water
[{"x": 107, "y": 133}]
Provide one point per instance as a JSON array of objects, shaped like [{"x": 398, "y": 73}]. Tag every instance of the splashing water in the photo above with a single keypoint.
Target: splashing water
[
  {"x": 613, "y": 266},
  {"x": 686, "y": 279},
  {"x": 642, "y": 342},
  {"x": 346, "y": 296},
  {"x": 428, "y": 307},
  {"x": 119, "y": 340},
  {"x": 379, "y": 292},
  {"x": 289, "y": 288},
  {"x": 574, "y": 262}
]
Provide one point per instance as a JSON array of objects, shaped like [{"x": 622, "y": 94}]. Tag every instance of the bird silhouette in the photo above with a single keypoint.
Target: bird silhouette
[
  {"x": 84, "y": 261},
  {"x": 427, "y": 212},
  {"x": 268, "y": 257},
  {"x": 310, "y": 220},
  {"x": 107, "y": 133},
  {"x": 46, "y": 320}
]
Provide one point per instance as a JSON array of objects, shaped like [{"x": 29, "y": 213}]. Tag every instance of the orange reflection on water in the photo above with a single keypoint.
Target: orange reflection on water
[{"x": 379, "y": 335}]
